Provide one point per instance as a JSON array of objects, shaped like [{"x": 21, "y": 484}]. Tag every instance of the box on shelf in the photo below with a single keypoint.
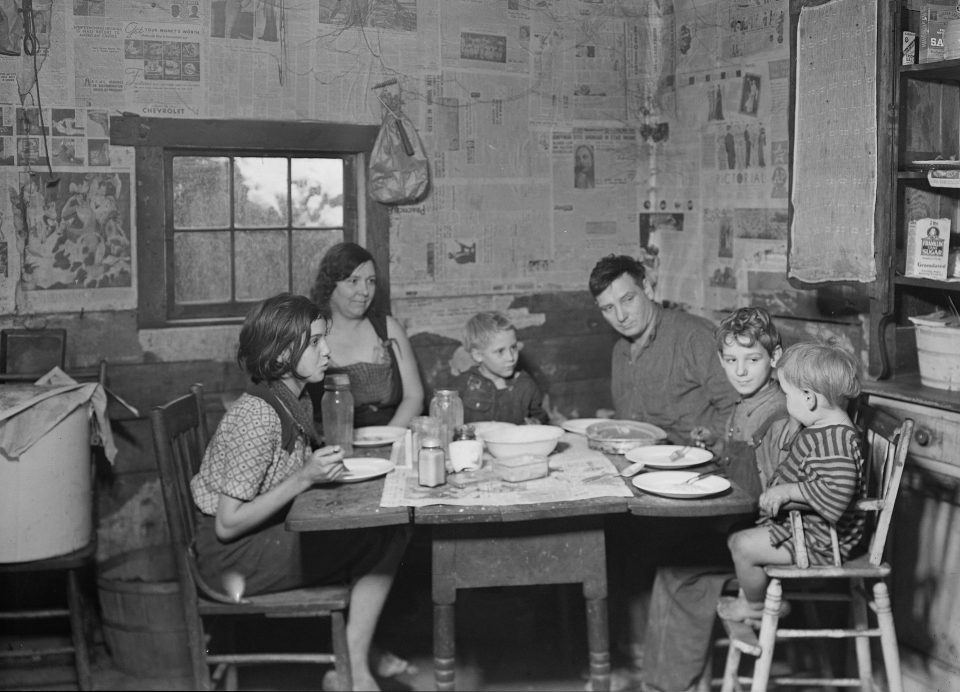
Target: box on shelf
[
  {"x": 933, "y": 22},
  {"x": 908, "y": 48},
  {"x": 928, "y": 248}
]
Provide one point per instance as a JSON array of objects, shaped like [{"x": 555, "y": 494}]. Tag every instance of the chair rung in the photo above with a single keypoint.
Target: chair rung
[
  {"x": 814, "y": 597},
  {"x": 37, "y": 653},
  {"x": 252, "y": 659},
  {"x": 814, "y": 682},
  {"x": 827, "y": 633},
  {"x": 34, "y": 614}
]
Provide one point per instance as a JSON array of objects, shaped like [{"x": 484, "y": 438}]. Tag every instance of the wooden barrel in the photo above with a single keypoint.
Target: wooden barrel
[{"x": 142, "y": 616}]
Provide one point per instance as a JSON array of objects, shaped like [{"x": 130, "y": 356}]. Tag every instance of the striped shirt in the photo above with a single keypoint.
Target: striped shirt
[{"x": 826, "y": 463}]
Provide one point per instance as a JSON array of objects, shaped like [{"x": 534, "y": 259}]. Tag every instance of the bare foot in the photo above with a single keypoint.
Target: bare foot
[
  {"x": 738, "y": 609},
  {"x": 388, "y": 665},
  {"x": 362, "y": 682}
]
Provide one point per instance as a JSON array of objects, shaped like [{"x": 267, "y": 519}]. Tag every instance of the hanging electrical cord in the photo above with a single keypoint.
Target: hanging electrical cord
[
  {"x": 282, "y": 31},
  {"x": 31, "y": 47}
]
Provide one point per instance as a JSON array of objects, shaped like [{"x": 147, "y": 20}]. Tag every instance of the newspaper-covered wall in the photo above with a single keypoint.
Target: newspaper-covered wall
[{"x": 558, "y": 131}]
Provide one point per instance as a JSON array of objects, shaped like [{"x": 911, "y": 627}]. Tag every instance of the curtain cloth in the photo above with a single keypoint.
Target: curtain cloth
[{"x": 835, "y": 144}]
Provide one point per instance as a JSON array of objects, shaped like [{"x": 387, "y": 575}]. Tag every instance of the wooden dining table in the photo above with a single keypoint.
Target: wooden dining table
[{"x": 526, "y": 544}]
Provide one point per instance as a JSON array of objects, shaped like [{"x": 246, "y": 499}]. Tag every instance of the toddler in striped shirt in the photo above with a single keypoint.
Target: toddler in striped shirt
[{"x": 821, "y": 475}]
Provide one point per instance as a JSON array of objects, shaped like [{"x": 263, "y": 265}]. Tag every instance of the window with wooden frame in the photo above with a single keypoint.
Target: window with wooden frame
[{"x": 231, "y": 212}]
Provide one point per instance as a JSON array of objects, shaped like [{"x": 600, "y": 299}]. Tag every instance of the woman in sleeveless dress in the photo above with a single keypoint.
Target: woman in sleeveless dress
[{"x": 368, "y": 345}]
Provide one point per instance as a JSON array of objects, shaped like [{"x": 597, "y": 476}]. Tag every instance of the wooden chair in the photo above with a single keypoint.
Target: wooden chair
[
  {"x": 180, "y": 438},
  {"x": 886, "y": 440},
  {"x": 77, "y": 608}
]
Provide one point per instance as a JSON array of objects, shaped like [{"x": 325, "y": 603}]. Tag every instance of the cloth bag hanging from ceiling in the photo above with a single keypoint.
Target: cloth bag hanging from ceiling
[{"x": 398, "y": 165}]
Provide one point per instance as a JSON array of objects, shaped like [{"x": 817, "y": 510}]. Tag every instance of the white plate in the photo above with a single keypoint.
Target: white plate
[
  {"x": 671, "y": 484},
  {"x": 658, "y": 456},
  {"x": 377, "y": 435},
  {"x": 580, "y": 425},
  {"x": 364, "y": 468}
]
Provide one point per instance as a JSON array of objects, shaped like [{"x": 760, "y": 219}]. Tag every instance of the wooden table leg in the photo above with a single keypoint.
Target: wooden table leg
[
  {"x": 559, "y": 551},
  {"x": 444, "y": 646},
  {"x": 598, "y": 643}
]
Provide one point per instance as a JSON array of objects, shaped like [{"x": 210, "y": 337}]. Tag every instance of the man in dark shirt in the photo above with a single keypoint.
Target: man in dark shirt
[{"x": 664, "y": 371}]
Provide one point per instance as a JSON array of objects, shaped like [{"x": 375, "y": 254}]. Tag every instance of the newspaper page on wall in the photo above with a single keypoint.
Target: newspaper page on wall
[{"x": 835, "y": 144}]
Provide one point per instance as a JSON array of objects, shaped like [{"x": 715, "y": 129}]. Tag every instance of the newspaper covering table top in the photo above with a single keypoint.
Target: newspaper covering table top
[{"x": 576, "y": 473}]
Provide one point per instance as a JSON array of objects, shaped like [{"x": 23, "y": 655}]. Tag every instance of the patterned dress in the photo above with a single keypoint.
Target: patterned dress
[
  {"x": 244, "y": 459},
  {"x": 827, "y": 464}
]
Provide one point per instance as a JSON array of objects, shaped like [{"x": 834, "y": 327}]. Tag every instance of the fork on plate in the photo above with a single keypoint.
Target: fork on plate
[
  {"x": 677, "y": 454},
  {"x": 694, "y": 479}
]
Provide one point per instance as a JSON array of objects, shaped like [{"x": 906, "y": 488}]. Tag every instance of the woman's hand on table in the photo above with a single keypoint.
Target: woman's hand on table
[{"x": 325, "y": 465}]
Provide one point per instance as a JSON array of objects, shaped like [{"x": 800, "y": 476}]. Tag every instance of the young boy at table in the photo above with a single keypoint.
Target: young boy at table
[
  {"x": 684, "y": 597},
  {"x": 261, "y": 457},
  {"x": 749, "y": 347},
  {"x": 821, "y": 474},
  {"x": 494, "y": 389}
]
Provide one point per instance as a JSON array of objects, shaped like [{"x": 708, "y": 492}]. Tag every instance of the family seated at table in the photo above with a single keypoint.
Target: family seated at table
[{"x": 703, "y": 385}]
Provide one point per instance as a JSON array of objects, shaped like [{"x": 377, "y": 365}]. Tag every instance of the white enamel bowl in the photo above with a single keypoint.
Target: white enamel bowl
[{"x": 538, "y": 440}]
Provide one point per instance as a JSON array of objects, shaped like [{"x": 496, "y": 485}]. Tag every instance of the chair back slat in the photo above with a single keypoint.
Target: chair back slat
[
  {"x": 886, "y": 441},
  {"x": 179, "y": 439}
]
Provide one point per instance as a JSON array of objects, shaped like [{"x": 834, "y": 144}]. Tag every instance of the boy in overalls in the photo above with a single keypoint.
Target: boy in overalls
[{"x": 685, "y": 596}]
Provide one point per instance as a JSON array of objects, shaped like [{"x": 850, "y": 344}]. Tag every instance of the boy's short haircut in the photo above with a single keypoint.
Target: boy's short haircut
[
  {"x": 748, "y": 326},
  {"x": 482, "y": 326},
  {"x": 825, "y": 368}
]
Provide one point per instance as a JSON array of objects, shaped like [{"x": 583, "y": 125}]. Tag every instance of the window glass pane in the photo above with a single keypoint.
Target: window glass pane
[
  {"x": 201, "y": 267},
  {"x": 308, "y": 248},
  {"x": 317, "y": 191},
  {"x": 261, "y": 261},
  {"x": 260, "y": 192},
  {"x": 201, "y": 192}
]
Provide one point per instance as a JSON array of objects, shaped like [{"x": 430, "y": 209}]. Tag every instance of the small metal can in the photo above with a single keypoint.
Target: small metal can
[{"x": 464, "y": 432}]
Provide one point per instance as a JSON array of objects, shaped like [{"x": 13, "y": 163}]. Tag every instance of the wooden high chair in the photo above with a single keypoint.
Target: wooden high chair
[{"x": 886, "y": 440}]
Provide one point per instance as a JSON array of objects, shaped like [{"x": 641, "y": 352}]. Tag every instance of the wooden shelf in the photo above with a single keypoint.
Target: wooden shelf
[
  {"x": 901, "y": 280},
  {"x": 907, "y": 387},
  {"x": 942, "y": 71}
]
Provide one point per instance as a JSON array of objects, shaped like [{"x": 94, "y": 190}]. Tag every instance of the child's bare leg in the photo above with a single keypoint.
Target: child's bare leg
[
  {"x": 751, "y": 551},
  {"x": 367, "y": 599}
]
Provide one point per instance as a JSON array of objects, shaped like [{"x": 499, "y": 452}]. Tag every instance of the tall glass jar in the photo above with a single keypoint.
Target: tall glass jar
[
  {"x": 336, "y": 411},
  {"x": 447, "y": 407}
]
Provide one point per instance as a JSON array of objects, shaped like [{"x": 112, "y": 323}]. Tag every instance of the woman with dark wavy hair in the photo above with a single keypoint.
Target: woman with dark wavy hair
[{"x": 370, "y": 346}]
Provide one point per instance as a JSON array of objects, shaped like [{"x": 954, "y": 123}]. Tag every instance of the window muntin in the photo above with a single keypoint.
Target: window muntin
[{"x": 243, "y": 227}]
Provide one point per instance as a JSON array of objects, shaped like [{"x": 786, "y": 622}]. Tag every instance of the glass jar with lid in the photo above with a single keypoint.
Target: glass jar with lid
[
  {"x": 447, "y": 407},
  {"x": 336, "y": 411}
]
